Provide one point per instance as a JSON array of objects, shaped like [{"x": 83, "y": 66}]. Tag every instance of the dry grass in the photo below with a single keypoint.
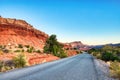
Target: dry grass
[{"x": 115, "y": 69}]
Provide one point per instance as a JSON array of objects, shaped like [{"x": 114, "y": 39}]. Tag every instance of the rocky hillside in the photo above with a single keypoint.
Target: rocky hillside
[
  {"x": 76, "y": 45},
  {"x": 14, "y": 32}
]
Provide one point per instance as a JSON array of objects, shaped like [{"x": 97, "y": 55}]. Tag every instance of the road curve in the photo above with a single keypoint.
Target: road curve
[{"x": 79, "y": 67}]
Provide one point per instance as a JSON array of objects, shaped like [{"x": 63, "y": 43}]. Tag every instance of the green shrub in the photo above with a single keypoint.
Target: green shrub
[
  {"x": 109, "y": 57},
  {"x": 20, "y": 46},
  {"x": 30, "y": 50},
  {"x": 61, "y": 54},
  {"x": 107, "y": 53},
  {"x": 19, "y": 61}
]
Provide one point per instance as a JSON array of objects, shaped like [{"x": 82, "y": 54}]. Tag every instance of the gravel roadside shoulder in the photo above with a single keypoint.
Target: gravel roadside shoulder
[{"x": 102, "y": 70}]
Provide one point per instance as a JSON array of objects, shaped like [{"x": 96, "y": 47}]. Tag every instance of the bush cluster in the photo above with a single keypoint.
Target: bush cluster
[
  {"x": 19, "y": 61},
  {"x": 20, "y": 46},
  {"x": 107, "y": 53},
  {"x": 112, "y": 54},
  {"x": 52, "y": 46},
  {"x": 6, "y": 65}
]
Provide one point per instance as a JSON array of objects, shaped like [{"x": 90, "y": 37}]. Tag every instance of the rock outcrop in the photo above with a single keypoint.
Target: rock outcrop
[
  {"x": 76, "y": 45},
  {"x": 14, "y": 32}
]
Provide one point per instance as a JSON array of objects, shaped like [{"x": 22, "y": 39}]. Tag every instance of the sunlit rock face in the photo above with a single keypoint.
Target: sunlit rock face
[
  {"x": 75, "y": 44},
  {"x": 14, "y": 32}
]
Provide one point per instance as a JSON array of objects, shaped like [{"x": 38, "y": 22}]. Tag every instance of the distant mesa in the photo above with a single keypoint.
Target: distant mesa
[{"x": 14, "y": 32}]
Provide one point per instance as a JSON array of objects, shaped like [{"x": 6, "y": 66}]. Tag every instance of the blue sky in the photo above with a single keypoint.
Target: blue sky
[{"x": 89, "y": 21}]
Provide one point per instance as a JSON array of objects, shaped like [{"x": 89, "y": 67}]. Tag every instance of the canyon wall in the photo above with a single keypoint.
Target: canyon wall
[{"x": 14, "y": 32}]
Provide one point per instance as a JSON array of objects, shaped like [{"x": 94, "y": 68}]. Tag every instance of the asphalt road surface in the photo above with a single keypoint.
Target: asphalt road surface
[{"x": 79, "y": 67}]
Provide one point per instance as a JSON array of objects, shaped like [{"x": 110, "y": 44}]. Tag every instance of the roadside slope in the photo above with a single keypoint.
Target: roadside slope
[{"x": 79, "y": 67}]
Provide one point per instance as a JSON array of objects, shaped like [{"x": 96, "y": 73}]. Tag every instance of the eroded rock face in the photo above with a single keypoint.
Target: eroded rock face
[
  {"x": 76, "y": 45},
  {"x": 16, "y": 32}
]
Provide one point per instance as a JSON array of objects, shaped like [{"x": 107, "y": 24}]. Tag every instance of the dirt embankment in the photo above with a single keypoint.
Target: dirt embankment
[{"x": 31, "y": 59}]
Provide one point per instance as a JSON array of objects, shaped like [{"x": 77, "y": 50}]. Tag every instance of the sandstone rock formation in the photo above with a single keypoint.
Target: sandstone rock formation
[
  {"x": 76, "y": 45},
  {"x": 14, "y": 32}
]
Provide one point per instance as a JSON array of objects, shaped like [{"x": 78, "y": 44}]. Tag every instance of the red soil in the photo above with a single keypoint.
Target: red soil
[{"x": 31, "y": 58}]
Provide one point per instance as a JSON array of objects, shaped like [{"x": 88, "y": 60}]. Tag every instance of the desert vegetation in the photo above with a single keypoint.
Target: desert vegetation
[
  {"x": 18, "y": 49},
  {"x": 109, "y": 54},
  {"x": 52, "y": 46},
  {"x": 19, "y": 59},
  {"x": 115, "y": 69}
]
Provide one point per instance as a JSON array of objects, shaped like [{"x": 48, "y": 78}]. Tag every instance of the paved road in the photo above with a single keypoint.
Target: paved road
[{"x": 79, "y": 67}]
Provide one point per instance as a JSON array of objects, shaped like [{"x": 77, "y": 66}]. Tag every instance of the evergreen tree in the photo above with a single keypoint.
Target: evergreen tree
[{"x": 52, "y": 46}]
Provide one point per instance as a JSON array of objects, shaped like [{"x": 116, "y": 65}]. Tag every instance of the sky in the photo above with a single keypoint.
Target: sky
[{"x": 90, "y": 21}]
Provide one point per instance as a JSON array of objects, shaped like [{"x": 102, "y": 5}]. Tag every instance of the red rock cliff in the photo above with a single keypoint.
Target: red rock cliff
[{"x": 16, "y": 32}]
